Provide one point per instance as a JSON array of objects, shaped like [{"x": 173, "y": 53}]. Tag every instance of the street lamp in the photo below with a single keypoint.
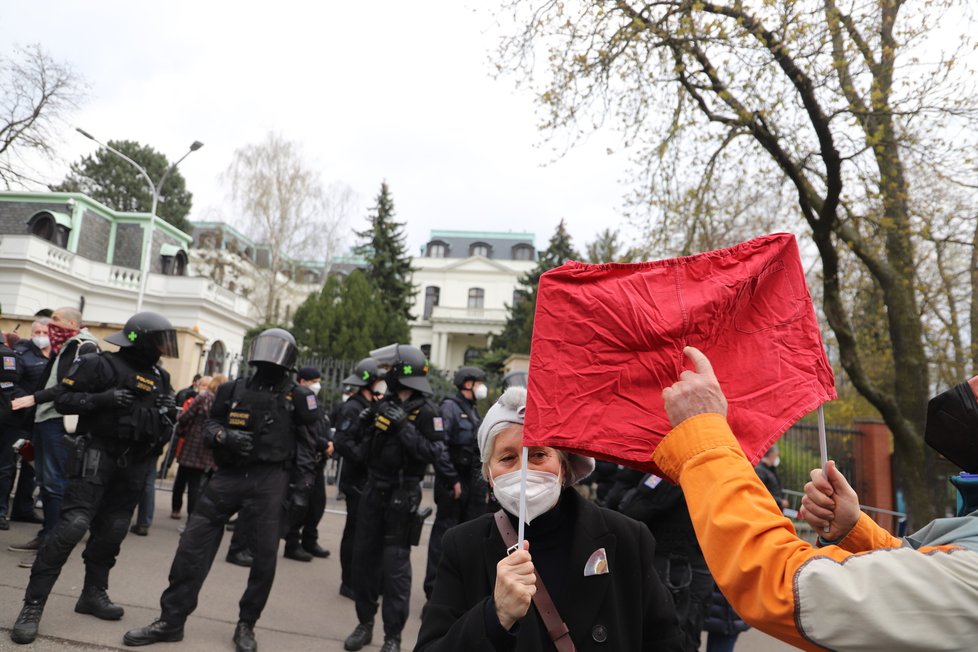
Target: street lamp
[{"x": 155, "y": 190}]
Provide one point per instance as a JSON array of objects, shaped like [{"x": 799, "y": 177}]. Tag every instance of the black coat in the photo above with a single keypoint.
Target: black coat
[{"x": 626, "y": 609}]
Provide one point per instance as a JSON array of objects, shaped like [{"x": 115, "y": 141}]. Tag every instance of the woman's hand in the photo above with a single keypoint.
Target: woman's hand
[{"x": 516, "y": 582}]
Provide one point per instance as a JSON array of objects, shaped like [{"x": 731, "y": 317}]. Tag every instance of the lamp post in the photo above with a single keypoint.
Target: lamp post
[{"x": 144, "y": 263}]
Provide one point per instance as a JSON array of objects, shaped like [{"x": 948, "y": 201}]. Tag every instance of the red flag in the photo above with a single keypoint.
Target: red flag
[{"x": 608, "y": 338}]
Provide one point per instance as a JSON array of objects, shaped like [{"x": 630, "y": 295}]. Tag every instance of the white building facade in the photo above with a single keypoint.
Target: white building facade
[
  {"x": 465, "y": 281},
  {"x": 65, "y": 249}
]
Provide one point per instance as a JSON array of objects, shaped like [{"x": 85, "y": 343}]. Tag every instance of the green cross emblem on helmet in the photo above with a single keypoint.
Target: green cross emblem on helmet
[
  {"x": 132, "y": 336},
  {"x": 408, "y": 370}
]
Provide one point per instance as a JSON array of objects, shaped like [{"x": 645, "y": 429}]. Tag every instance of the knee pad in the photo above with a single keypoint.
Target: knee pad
[{"x": 71, "y": 529}]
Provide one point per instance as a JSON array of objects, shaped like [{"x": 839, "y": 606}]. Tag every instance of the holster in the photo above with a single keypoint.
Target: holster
[{"x": 401, "y": 511}]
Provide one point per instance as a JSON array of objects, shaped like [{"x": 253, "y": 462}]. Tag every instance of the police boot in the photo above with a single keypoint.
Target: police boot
[
  {"x": 244, "y": 638},
  {"x": 391, "y": 644},
  {"x": 95, "y": 601},
  {"x": 159, "y": 631},
  {"x": 25, "y": 629},
  {"x": 362, "y": 635},
  {"x": 297, "y": 553}
]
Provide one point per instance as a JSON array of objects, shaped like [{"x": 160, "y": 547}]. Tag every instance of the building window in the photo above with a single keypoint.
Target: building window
[
  {"x": 51, "y": 227},
  {"x": 431, "y": 294},
  {"x": 472, "y": 354},
  {"x": 522, "y": 252},
  {"x": 215, "y": 359},
  {"x": 480, "y": 249},
  {"x": 437, "y": 249},
  {"x": 175, "y": 265},
  {"x": 477, "y": 298}
]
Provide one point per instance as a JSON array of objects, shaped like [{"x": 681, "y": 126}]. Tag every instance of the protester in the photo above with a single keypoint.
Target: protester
[
  {"x": 722, "y": 624},
  {"x": 69, "y": 341},
  {"x": 195, "y": 459},
  {"x": 863, "y": 589},
  {"x": 767, "y": 471},
  {"x": 612, "y": 599}
]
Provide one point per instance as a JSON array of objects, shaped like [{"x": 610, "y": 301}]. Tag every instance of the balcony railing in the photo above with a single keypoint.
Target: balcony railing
[{"x": 479, "y": 315}]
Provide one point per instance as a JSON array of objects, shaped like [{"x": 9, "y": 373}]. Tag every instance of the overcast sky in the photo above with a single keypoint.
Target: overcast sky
[{"x": 375, "y": 90}]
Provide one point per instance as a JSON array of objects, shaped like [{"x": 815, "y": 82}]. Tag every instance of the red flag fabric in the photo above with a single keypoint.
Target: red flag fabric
[{"x": 608, "y": 338}]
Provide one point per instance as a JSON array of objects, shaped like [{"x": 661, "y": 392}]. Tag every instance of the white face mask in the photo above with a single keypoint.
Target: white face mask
[
  {"x": 542, "y": 491},
  {"x": 41, "y": 341},
  {"x": 480, "y": 392},
  {"x": 777, "y": 462},
  {"x": 315, "y": 387},
  {"x": 379, "y": 388}
]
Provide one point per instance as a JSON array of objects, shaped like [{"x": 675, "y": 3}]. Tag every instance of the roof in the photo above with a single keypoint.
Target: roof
[{"x": 500, "y": 243}]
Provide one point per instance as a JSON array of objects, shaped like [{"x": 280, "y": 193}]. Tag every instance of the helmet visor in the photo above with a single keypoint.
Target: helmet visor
[
  {"x": 166, "y": 342},
  {"x": 272, "y": 349}
]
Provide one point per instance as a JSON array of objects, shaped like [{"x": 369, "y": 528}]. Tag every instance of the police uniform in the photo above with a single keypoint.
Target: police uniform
[
  {"x": 460, "y": 463},
  {"x": 281, "y": 420},
  {"x": 348, "y": 442},
  {"x": 12, "y": 373},
  {"x": 388, "y": 523},
  {"x": 107, "y": 469}
]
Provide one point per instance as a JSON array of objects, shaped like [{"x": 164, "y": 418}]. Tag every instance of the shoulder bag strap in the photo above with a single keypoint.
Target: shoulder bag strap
[{"x": 556, "y": 628}]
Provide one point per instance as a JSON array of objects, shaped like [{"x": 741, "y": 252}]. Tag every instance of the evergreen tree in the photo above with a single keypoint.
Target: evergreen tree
[
  {"x": 108, "y": 179},
  {"x": 346, "y": 319},
  {"x": 518, "y": 331},
  {"x": 385, "y": 249},
  {"x": 606, "y": 248}
]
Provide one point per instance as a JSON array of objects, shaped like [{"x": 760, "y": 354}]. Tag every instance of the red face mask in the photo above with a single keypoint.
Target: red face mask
[{"x": 59, "y": 335}]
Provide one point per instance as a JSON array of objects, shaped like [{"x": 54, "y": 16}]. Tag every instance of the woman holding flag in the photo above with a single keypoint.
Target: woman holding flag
[{"x": 581, "y": 578}]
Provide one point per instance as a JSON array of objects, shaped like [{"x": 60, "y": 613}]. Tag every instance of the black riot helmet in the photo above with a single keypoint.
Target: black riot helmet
[
  {"x": 408, "y": 367},
  {"x": 515, "y": 379},
  {"x": 365, "y": 374},
  {"x": 147, "y": 331},
  {"x": 465, "y": 374},
  {"x": 275, "y": 346}
]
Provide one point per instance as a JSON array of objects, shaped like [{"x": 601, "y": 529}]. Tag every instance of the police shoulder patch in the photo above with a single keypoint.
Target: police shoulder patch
[
  {"x": 9, "y": 363},
  {"x": 439, "y": 424},
  {"x": 311, "y": 402}
]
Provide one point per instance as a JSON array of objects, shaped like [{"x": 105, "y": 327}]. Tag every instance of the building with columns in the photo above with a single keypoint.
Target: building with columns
[{"x": 465, "y": 281}]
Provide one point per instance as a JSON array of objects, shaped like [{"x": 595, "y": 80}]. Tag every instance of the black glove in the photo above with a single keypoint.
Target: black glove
[
  {"x": 390, "y": 418},
  {"x": 115, "y": 398},
  {"x": 239, "y": 441},
  {"x": 166, "y": 402}
]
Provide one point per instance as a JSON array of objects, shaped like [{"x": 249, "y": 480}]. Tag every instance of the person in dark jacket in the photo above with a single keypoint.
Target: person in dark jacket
[
  {"x": 368, "y": 381},
  {"x": 302, "y": 539},
  {"x": 195, "y": 458},
  {"x": 11, "y": 422},
  {"x": 596, "y": 565},
  {"x": 679, "y": 560},
  {"x": 69, "y": 341},
  {"x": 125, "y": 406},
  {"x": 460, "y": 490},
  {"x": 767, "y": 471},
  {"x": 402, "y": 439}
]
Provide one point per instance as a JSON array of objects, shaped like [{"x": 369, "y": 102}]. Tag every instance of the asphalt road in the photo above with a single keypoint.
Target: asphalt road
[{"x": 304, "y": 611}]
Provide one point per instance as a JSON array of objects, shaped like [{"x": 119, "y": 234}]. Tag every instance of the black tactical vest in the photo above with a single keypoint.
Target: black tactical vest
[
  {"x": 267, "y": 415},
  {"x": 9, "y": 364},
  {"x": 386, "y": 459},
  {"x": 462, "y": 443},
  {"x": 142, "y": 422}
]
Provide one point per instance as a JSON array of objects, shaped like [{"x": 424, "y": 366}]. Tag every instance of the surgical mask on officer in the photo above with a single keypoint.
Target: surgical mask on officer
[
  {"x": 542, "y": 492},
  {"x": 315, "y": 387},
  {"x": 41, "y": 341},
  {"x": 480, "y": 391},
  {"x": 379, "y": 388}
]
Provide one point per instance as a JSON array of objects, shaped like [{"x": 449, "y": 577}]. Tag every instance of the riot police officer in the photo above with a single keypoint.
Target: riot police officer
[
  {"x": 367, "y": 380},
  {"x": 125, "y": 407},
  {"x": 460, "y": 490},
  {"x": 403, "y": 436},
  {"x": 263, "y": 432}
]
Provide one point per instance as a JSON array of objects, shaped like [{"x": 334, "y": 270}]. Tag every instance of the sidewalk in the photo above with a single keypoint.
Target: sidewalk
[{"x": 304, "y": 611}]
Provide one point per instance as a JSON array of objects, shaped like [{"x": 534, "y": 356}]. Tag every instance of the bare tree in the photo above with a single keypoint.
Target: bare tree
[
  {"x": 841, "y": 103},
  {"x": 288, "y": 212},
  {"x": 35, "y": 94}
]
